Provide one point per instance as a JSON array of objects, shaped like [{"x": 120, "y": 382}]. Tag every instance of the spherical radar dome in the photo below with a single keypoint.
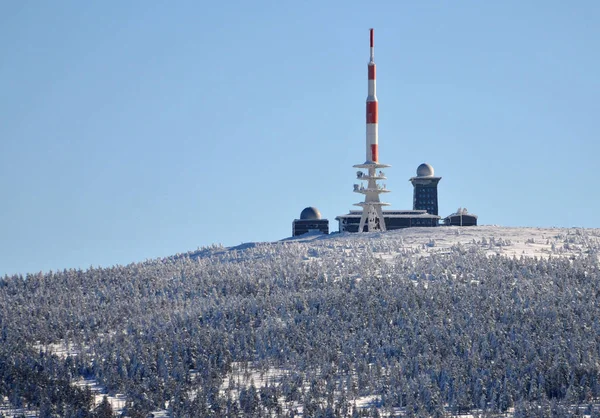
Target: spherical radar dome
[
  {"x": 425, "y": 170},
  {"x": 310, "y": 213}
]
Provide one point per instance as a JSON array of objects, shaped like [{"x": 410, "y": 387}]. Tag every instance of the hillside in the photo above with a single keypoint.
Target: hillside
[{"x": 415, "y": 322}]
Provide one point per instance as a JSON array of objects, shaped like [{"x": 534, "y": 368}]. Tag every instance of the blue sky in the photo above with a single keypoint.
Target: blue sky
[{"x": 133, "y": 130}]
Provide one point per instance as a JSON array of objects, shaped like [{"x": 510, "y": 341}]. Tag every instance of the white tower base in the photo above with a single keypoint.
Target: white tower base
[{"x": 372, "y": 214}]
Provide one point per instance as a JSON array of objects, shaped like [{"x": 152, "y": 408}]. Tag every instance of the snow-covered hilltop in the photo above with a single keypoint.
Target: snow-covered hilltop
[
  {"x": 493, "y": 240},
  {"x": 415, "y": 322}
]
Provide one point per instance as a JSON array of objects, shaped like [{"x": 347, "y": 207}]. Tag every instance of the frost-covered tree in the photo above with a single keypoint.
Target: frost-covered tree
[{"x": 446, "y": 333}]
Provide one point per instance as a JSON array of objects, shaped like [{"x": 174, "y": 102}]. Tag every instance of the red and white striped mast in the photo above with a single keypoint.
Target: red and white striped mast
[
  {"x": 372, "y": 214},
  {"x": 372, "y": 128}
]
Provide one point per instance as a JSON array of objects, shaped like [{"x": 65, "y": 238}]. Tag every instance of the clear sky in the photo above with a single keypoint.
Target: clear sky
[{"x": 139, "y": 129}]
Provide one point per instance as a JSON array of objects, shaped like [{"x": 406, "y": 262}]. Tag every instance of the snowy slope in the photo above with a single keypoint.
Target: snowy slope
[
  {"x": 262, "y": 317},
  {"x": 493, "y": 240},
  {"x": 415, "y": 243}
]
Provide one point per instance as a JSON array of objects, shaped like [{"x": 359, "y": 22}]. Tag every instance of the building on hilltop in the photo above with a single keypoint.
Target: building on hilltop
[
  {"x": 372, "y": 217},
  {"x": 425, "y": 195},
  {"x": 394, "y": 219},
  {"x": 310, "y": 221},
  {"x": 425, "y": 206},
  {"x": 461, "y": 218}
]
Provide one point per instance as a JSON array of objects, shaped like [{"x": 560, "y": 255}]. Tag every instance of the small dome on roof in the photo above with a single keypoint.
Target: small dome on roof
[
  {"x": 310, "y": 213},
  {"x": 425, "y": 170}
]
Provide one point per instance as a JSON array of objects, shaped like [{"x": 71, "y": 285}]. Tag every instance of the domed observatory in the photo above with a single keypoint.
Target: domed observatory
[
  {"x": 310, "y": 221},
  {"x": 425, "y": 196}
]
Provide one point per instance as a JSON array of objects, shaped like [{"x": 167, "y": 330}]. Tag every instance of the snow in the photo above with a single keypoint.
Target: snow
[
  {"x": 117, "y": 401},
  {"x": 494, "y": 240},
  {"x": 63, "y": 349},
  {"x": 387, "y": 247},
  {"x": 419, "y": 242},
  {"x": 7, "y": 411}
]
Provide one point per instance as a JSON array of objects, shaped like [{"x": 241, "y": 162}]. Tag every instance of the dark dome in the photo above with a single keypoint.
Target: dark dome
[
  {"x": 310, "y": 213},
  {"x": 425, "y": 170}
]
